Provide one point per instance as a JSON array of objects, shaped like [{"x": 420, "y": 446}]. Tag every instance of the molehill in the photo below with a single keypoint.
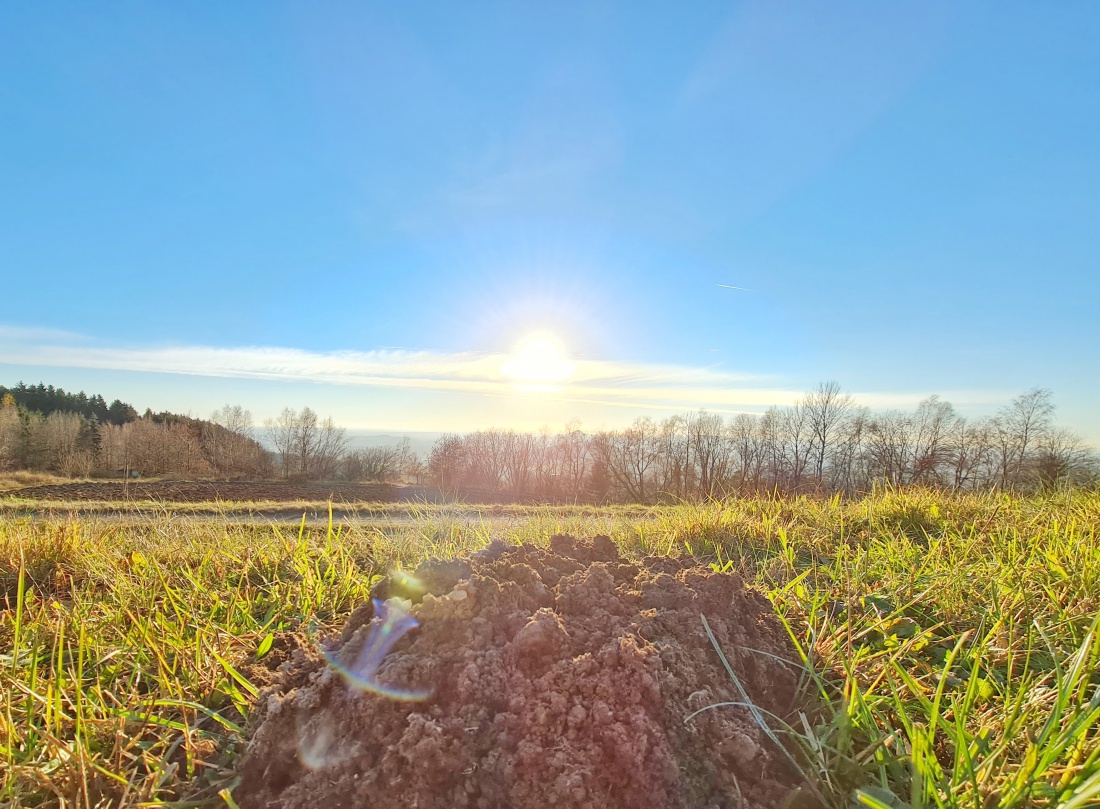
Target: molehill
[{"x": 557, "y": 677}]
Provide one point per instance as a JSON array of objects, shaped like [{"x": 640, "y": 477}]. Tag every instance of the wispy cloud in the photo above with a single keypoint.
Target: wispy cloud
[
  {"x": 472, "y": 372},
  {"x": 31, "y": 333},
  {"x": 616, "y": 384}
]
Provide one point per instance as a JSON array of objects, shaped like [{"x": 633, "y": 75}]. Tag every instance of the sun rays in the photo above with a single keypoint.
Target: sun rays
[{"x": 539, "y": 363}]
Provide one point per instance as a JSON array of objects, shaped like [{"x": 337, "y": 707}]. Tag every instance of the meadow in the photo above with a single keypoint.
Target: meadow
[{"x": 947, "y": 642}]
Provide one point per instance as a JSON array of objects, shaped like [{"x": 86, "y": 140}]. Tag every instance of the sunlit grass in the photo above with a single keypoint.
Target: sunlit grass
[{"x": 948, "y": 642}]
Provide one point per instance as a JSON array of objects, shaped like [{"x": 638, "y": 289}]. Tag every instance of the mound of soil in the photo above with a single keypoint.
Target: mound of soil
[
  {"x": 201, "y": 491},
  {"x": 558, "y": 678}
]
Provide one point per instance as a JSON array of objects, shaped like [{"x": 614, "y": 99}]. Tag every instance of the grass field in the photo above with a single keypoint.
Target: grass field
[
  {"x": 23, "y": 478},
  {"x": 948, "y": 642}
]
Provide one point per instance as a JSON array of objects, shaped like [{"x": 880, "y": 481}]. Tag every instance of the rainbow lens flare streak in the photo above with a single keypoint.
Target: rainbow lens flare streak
[{"x": 392, "y": 621}]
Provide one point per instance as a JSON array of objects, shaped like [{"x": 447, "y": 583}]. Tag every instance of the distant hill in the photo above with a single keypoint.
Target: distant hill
[
  {"x": 47, "y": 399},
  {"x": 419, "y": 441},
  {"x": 48, "y": 428}
]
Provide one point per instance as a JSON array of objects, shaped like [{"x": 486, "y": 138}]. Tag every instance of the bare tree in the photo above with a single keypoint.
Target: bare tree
[
  {"x": 545, "y": 464},
  {"x": 10, "y": 432},
  {"x": 308, "y": 448},
  {"x": 935, "y": 427},
  {"x": 233, "y": 418},
  {"x": 329, "y": 446},
  {"x": 65, "y": 442},
  {"x": 599, "y": 484},
  {"x": 573, "y": 453},
  {"x": 376, "y": 464},
  {"x": 796, "y": 444},
  {"x": 825, "y": 408},
  {"x": 1018, "y": 429},
  {"x": 304, "y": 443},
  {"x": 630, "y": 457},
  {"x": 676, "y": 472},
  {"x": 520, "y": 453},
  {"x": 769, "y": 431},
  {"x": 280, "y": 431},
  {"x": 889, "y": 447},
  {"x": 486, "y": 458},
  {"x": 447, "y": 462},
  {"x": 229, "y": 445},
  {"x": 849, "y": 458},
  {"x": 711, "y": 451},
  {"x": 154, "y": 448},
  {"x": 972, "y": 456},
  {"x": 824, "y": 440},
  {"x": 1063, "y": 458},
  {"x": 748, "y": 451}
]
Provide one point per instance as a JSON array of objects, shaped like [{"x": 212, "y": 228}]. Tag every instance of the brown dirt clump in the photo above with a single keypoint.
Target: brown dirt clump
[{"x": 559, "y": 678}]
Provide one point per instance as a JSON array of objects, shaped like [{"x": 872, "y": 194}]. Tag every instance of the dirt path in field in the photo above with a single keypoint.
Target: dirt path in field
[
  {"x": 536, "y": 678},
  {"x": 202, "y": 491}
]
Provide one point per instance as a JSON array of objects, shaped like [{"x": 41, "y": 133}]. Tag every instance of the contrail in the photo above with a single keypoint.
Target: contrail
[{"x": 727, "y": 286}]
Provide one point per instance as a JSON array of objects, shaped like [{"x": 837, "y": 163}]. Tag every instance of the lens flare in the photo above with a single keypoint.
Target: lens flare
[
  {"x": 538, "y": 364},
  {"x": 391, "y": 621},
  {"x": 406, "y": 581},
  {"x": 318, "y": 747}
]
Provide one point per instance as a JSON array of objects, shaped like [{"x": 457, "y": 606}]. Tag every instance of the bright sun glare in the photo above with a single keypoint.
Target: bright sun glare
[{"x": 538, "y": 363}]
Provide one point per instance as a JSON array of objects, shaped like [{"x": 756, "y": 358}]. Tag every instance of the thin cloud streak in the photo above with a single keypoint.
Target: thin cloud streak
[
  {"x": 32, "y": 333},
  {"x": 473, "y": 371},
  {"x": 613, "y": 384}
]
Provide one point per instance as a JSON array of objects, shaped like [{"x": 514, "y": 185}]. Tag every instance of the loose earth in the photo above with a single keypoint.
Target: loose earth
[{"x": 560, "y": 677}]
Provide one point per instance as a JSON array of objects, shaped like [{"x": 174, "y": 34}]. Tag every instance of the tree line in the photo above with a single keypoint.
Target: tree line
[
  {"x": 46, "y": 400},
  {"x": 74, "y": 444},
  {"x": 76, "y": 435},
  {"x": 308, "y": 447},
  {"x": 825, "y": 443}
]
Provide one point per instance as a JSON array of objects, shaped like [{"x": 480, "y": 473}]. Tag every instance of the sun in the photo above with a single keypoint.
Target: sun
[{"x": 539, "y": 362}]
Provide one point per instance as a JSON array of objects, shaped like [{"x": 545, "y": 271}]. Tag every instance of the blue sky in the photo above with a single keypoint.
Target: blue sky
[{"x": 366, "y": 207}]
